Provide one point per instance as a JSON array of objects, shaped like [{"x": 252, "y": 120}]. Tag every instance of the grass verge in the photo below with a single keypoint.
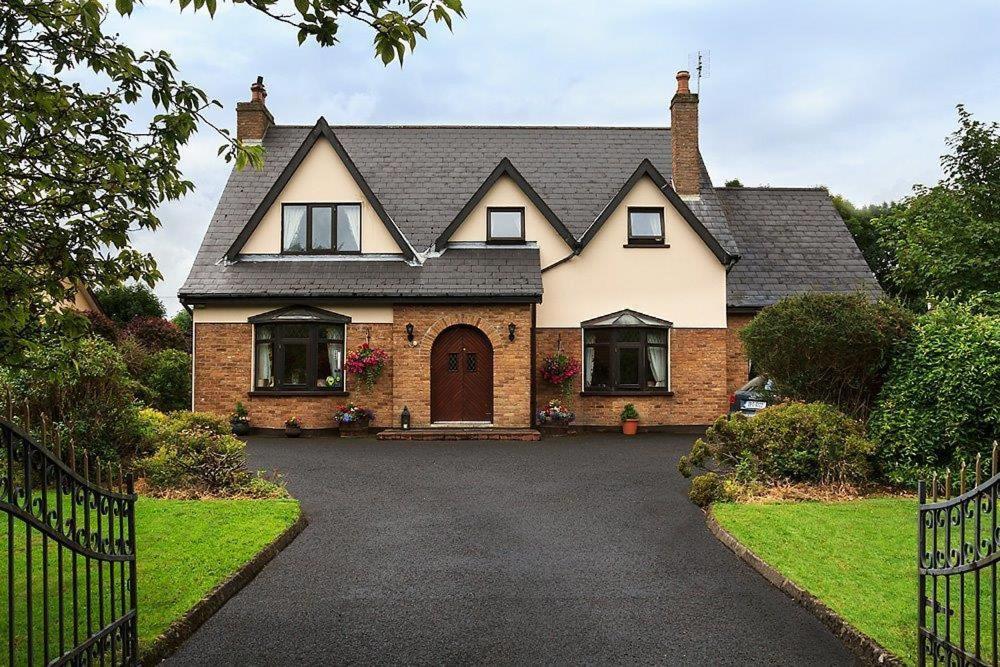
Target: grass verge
[
  {"x": 185, "y": 548},
  {"x": 858, "y": 557}
]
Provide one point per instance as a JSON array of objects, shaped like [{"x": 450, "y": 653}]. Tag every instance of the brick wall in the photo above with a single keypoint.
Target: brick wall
[
  {"x": 511, "y": 359},
  {"x": 697, "y": 378},
  {"x": 736, "y": 360},
  {"x": 223, "y": 354}
]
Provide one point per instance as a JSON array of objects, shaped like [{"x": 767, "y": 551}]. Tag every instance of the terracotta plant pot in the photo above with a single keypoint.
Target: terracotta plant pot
[
  {"x": 293, "y": 431},
  {"x": 630, "y": 426},
  {"x": 354, "y": 430}
]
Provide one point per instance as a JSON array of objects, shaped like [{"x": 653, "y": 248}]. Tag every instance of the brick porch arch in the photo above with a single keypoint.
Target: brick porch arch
[{"x": 511, "y": 359}]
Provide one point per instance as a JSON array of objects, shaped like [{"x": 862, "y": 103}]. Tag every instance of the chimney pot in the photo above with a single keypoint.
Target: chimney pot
[
  {"x": 253, "y": 117},
  {"x": 683, "y": 77}
]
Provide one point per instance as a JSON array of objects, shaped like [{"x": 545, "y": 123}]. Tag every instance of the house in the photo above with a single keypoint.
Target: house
[{"x": 469, "y": 253}]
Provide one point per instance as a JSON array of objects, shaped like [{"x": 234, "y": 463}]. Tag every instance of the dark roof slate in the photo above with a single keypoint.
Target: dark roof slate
[
  {"x": 791, "y": 240},
  {"x": 493, "y": 272},
  {"x": 424, "y": 175}
]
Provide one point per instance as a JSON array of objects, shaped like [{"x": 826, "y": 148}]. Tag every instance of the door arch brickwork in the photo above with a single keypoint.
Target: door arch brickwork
[{"x": 512, "y": 366}]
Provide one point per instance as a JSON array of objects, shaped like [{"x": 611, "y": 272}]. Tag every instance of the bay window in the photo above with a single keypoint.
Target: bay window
[
  {"x": 626, "y": 352},
  {"x": 299, "y": 349}
]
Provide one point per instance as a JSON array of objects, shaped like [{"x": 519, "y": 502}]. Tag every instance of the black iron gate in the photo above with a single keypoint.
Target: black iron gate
[
  {"x": 958, "y": 543},
  {"x": 70, "y": 552}
]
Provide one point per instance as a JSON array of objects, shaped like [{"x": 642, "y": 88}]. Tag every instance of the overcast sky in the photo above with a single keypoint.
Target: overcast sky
[{"x": 857, "y": 96}]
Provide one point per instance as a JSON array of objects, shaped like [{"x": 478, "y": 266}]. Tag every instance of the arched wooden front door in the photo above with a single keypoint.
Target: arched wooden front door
[{"x": 462, "y": 376}]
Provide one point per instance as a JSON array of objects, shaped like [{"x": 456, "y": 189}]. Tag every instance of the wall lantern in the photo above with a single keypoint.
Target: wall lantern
[
  {"x": 511, "y": 328},
  {"x": 409, "y": 332},
  {"x": 404, "y": 419}
]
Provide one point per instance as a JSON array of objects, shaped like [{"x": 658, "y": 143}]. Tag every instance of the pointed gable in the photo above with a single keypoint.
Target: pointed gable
[
  {"x": 505, "y": 170},
  {"x": 320, "y": 171}
]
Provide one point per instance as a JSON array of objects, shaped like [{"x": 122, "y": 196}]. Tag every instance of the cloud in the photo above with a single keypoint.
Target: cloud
[{"x": 856, "y": 95}]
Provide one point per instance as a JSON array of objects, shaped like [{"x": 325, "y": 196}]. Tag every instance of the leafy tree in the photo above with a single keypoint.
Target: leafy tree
[
  {"x": 734, "y": 183},
  {"x": 155, "y": 334},
  {"x": 945, "y": 239},
  {"x": 182, "y": 320},
  {"x": 124, "y": 303},
  {"x": 834, "y": 348},
  {"x": 78, "y": 174},
  {"x": 940, "y": 405},
  {"x": 861, "y": 223}
]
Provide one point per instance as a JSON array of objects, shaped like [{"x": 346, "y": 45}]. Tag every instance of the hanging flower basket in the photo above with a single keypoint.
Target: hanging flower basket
[
  {"x": 559, "y": 370},
  {"x": 366, "y": 363}
]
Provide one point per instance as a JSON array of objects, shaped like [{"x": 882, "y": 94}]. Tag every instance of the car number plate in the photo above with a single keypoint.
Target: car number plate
[{"x": 755, "y": 405}]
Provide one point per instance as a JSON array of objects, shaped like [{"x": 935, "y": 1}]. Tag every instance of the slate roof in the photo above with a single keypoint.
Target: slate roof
[
  {"x": 791, "y": 240},
  {"x": 424, "y": 175},
  {"x": 492, "y": 272},
  {"x": 788, "y": 240}
]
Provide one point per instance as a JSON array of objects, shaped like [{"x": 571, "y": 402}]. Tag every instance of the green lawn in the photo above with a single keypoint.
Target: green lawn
[
  {"x": 184, "y": 549},
  {"x": 859, "y": 557}
]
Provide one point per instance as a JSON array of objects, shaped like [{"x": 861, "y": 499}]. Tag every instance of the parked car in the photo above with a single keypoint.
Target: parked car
[{"x": 755, "y": 395}]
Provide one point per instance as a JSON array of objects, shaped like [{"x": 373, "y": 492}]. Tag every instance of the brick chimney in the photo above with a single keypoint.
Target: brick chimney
[
  {"x": 253, "y": 118},
  {"x": 686, "y": 165}
]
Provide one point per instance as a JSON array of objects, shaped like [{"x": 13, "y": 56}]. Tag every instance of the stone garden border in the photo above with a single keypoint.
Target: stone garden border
[
  {"x": 185, "y": 626},
  {"x": 865, "y": 649}
]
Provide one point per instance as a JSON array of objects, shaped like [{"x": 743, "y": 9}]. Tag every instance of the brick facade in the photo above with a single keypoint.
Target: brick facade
[
  {"x": 511, "y": 359},
  {"x": 224, "y": 352},
  {"x": 706, "y": 365},
  {"x": 222, "y": 376},
  {"x": 737, "y": 369},
  {"x": 697, "y": 379}
]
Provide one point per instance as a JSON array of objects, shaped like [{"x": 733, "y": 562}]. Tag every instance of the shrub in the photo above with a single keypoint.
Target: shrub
[
  {"x": 168, "y": 375},
  {"x": 156, "y": 333},
  {"x": 790, "y": 442},
  {"x": 196, "y": 455},
  {"x": 707, "y": 489},
  {"x": 123, "y": 303},
  {"x": 84, "y": 388},
  {"x": 629, "y": 412},
  {"x": 941, "y": 402},
  {"x": 103, "y": 326},
  {"x": 834, "y": 348}
]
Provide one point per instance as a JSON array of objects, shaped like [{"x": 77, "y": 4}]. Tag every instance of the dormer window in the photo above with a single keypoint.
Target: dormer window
[
  {"x": 645, "y": 226},
  {"x": 505, "y": 225},
  {"x": 320, "y": 229}
]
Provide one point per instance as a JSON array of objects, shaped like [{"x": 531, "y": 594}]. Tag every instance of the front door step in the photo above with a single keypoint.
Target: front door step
[{"x": 459, "y": 433}]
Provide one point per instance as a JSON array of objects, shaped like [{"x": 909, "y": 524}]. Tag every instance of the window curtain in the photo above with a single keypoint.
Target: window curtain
[
  {"x": 658, "y": 365},
  {"x": 295, "y": 229},
  {"x": 333, "y": 354},
  {"x": 349, "y": 228},
  {"x": 265, "y": 365},
  {"x": 588, "y": 366}
]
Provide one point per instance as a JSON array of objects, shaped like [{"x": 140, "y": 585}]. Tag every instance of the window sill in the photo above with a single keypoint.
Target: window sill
[
  {"x": 272, "y": 393},
  {"x": 646, "y": 245},
  {"x": 653, "y": 392}
]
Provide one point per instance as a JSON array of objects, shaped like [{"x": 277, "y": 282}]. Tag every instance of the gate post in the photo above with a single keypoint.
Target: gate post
[{"x": 921, "y": 578}]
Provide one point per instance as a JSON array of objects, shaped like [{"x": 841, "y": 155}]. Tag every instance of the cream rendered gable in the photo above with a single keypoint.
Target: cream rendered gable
[
  {"x": 321, "y": 178},
  {"x": 684, "y": 284},
  {"x": 505, "y": 192}
]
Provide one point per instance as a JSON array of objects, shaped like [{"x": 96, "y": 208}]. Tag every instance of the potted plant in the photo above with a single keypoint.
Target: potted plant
[
  {"x": 555, "y": 419},
  {"x": 630, "y": 419},
  {"x": 293, "y": 428},
  {"x": 353, "y": 420},
  {"x": 240, "y": 420}
]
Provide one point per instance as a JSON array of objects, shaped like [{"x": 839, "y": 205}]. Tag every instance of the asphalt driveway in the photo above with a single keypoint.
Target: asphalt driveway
[{"x": 579, "y": 550}]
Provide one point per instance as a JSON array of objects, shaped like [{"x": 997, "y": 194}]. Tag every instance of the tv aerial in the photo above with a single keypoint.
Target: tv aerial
[{"x": 700, "y": 64}]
